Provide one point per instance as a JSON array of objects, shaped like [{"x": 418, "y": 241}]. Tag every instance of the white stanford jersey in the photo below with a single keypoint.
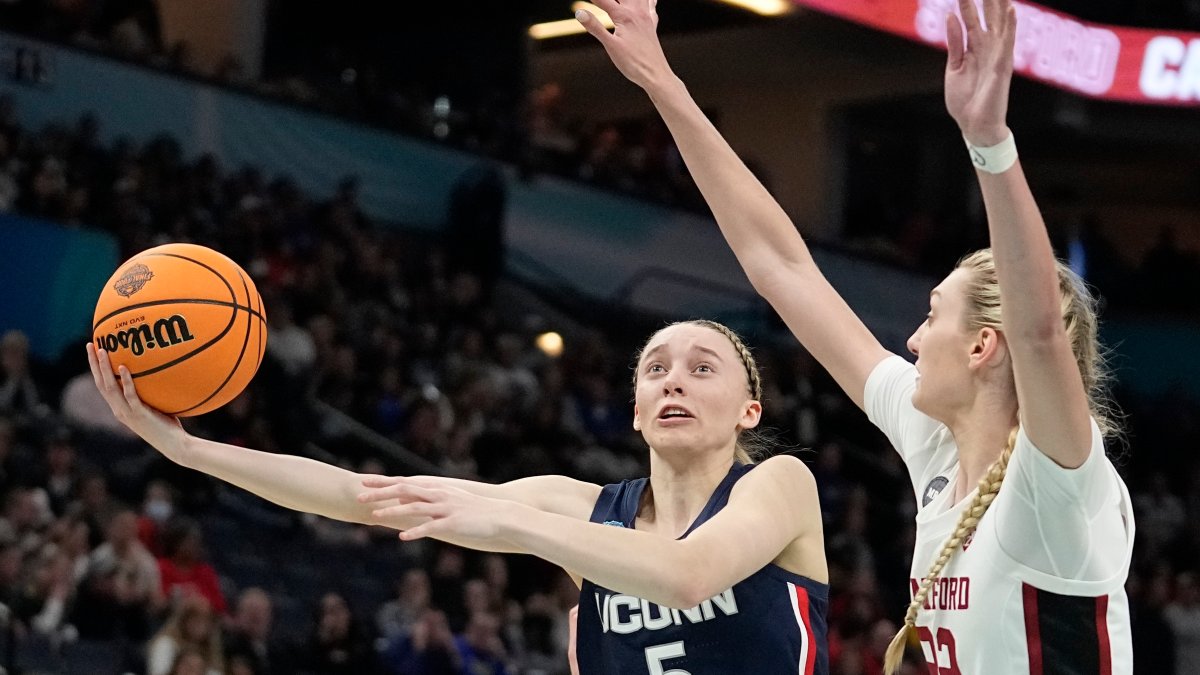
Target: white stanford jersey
[{"x": 1039, "y": 589}]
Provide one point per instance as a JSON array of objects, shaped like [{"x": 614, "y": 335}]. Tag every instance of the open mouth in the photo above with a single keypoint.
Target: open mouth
[{"x": 673, "y": 414}]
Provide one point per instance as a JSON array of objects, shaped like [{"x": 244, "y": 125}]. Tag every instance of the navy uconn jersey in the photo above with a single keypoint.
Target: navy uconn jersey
[{"x": 772, "y": 622}]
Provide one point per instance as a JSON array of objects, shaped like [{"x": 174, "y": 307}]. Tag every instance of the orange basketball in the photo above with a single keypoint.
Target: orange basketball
[{"x": 187, "y": 322}]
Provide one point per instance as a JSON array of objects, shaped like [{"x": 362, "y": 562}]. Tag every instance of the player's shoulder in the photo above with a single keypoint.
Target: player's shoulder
[
  {"x": 786, "y": 471},
  {"x": 788, "y": 466}
]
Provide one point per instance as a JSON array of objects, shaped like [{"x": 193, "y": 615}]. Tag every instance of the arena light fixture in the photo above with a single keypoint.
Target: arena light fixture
[
  {"x": 551, "y": 344},
  {"x": 553, "y": 29},
  {"x": 763, "y": 7}
]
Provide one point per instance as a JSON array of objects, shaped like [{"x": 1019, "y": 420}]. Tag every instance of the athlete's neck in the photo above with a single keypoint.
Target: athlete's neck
[
  {"x": 680, "y": 488},
  {"x": 980, "y": 434}
]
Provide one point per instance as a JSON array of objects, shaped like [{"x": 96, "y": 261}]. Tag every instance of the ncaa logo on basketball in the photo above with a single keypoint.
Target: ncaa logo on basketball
[{"x": 132, "y": 280}]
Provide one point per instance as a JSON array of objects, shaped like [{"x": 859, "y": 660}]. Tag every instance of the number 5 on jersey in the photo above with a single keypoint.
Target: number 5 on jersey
[{"x": 657, "y": 654}]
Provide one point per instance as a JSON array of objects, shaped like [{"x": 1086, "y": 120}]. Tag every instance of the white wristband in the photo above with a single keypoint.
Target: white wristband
[{"x": 997, "y": 158}]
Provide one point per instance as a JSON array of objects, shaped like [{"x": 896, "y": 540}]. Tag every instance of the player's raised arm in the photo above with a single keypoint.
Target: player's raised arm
[
  {"x": 1051, "y": 394},
  {"x": 766, "y": 243}
]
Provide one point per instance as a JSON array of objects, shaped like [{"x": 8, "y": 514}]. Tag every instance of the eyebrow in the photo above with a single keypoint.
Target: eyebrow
[{"x": 662, "y": 346}]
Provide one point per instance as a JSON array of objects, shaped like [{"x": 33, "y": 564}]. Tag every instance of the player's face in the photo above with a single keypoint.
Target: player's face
[
  {"x": 692, "y": 391},
  {"x": 942, "y": 345}
]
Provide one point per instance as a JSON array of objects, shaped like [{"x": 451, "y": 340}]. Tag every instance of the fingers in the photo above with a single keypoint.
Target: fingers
[
  {"x": 381, "y": 481},
  {"x": 970, "y": 17},
  {"x": 401, "y": 489},
  {"x": 412, "y": 510},
  {"x": 108, "y": 381},
  {"x": 1010, "y": 34},
  {"x": 993, "y": 14},
  {"x": 610, "y": 6},
  {"x": 94, "y": 364},
  {"x": 593, "y": 26},
  {"x": 421, "y": 531},
  {"x": 129, "y": 389},
  {"x": 954, "y": 42}
]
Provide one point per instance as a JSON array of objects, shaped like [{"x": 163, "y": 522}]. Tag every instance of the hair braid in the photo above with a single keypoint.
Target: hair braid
[
  {"x": 748, "y": 362},
  {"x": 989, "y": 487}
]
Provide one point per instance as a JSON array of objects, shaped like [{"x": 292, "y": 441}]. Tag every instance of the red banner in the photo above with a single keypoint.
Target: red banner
[{"x": 1109, "y": 62}]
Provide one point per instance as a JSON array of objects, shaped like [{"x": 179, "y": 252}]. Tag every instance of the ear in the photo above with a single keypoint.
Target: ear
[
  {"x": 989, "y": 349},
  {"x": 751, "y": 414},
  {"x": 637, "y": 419}
]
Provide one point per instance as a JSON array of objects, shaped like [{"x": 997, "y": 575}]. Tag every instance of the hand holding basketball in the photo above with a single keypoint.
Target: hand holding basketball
[
  {"x": 187, "y": 322},
  {"x": 978, "y": 75},
  {"x": 634, "y": 46},
  {"x": 166, "y": 434}
]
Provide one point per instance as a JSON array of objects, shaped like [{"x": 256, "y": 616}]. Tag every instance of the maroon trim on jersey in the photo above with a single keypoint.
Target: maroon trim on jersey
[
  {"x": 1102, "y": 635},
  {"x": 1033, "y": 635},
  {"x": 1066, "y": 634}
]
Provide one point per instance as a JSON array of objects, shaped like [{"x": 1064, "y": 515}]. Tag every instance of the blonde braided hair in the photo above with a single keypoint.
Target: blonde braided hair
[
  {"x": 748, "y": 447},
  {"x": 989, "y": 487}
]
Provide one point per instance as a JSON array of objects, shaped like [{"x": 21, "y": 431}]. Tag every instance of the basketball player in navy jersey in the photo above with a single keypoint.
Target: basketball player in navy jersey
[
  {"x": 1024, "y": 528},
  {"x": 713, "y": 565}
]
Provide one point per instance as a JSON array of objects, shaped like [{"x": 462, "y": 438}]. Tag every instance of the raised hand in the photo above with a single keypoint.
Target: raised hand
[
  {"x": 979, "y": 72},
  {"x": 633, "y": 46},
  {"x": 165, "y": 433},
  {"x": 425, "y": 511}
]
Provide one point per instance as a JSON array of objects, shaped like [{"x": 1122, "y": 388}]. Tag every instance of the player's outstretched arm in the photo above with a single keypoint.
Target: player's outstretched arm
[
  {"x": 766, "y": 243},
  {"x": 299, "y": 483},
  {"x": 768, "y": 510},
  {"x": 1050, "y": 391}
]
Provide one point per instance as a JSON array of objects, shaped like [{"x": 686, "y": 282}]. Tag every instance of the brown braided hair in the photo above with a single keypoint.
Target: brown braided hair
[{"x": 749, "y": 447}]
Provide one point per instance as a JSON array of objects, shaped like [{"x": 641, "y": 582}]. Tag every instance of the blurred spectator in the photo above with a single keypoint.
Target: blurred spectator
[
  {"x": 1153, "y": 637},
  {"x": 192, "y": 661},
  {"x": 84, "y": 406},
  {"x": 61, "y": 479},
  {"x": 158, "y": 507},
  {"x": 183, "y": 568},
  {"x": 291, "y": 344},
  {"x": 26, "y": 516},
  {"x": 193, "y": 625},
  {"x": 1161, "y": 516},
  {"x": 95, "y": 506},
  {"x": 122, "y": 587},
  {"x": 447, "y": 581},
  {"x": 70, "y": 535},
  {"x": 47, "y": 597},
  {"x": 249, "y": 635},
  {"x": 337, "y": 646},
  {"x": 13, "y": 458},
  {"x": 1183, "y": 616},
  {"x": 397, "y": 617},
  {"x": 20, "y": 396},
  {"x": 427, "y": 649},
  {"x": 480, "y": 647}
]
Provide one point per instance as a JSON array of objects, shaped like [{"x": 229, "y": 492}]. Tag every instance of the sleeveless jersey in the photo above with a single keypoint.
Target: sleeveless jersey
[
  {"x": 1039, "y": 587},
  {"x": 771, "y": 623}
]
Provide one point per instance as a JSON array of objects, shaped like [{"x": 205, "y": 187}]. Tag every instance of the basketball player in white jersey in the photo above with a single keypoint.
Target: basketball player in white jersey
[{"x": 1024, "y": 529}]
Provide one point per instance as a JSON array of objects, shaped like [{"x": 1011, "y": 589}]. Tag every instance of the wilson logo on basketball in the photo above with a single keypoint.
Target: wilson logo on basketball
[
  {"x": 132, "y": 280},
  {"x": 137, "y": 339}
]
